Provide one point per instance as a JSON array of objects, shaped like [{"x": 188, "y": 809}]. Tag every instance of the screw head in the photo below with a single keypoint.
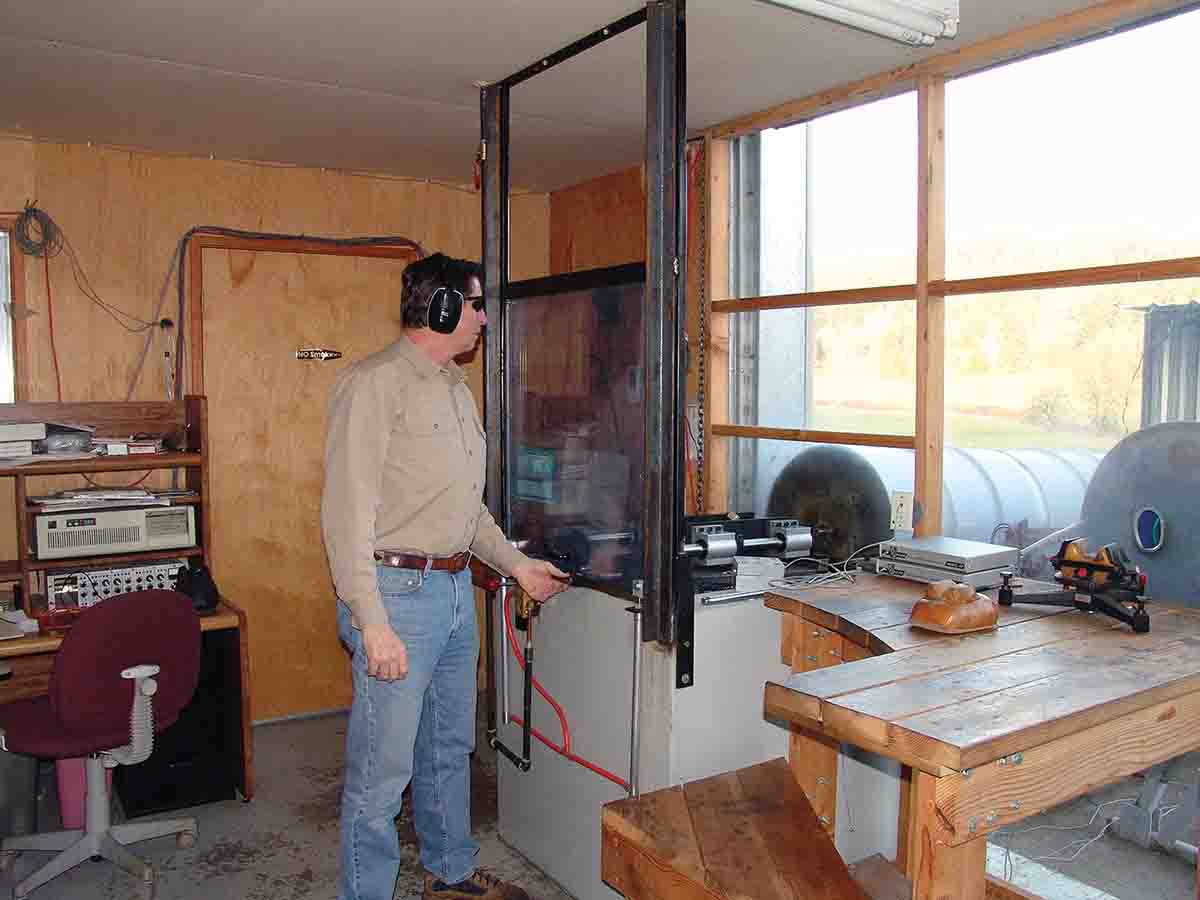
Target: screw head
[{"x": 686, "y": 679}]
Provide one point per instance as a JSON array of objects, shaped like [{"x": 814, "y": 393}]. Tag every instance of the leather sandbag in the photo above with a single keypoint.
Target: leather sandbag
[{"x": 949, "y": 607}]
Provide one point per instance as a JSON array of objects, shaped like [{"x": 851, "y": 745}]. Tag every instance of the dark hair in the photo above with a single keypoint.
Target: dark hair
[{"x": 423, "y": 277}]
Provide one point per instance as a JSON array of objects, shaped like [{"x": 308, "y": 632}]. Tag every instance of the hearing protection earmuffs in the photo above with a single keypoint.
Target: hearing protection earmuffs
[{"x": 444, "y": 310}]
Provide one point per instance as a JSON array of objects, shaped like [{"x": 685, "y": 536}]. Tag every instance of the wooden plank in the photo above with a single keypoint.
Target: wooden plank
[
  {"x": 813, "y": 760},
  {"x": 940, "y": 871},
  {"x": 800, "y": 851},
  {"x": 636, "y": 872},
  {"x": 785, "y": 706},
  {"x": 1086, "y": 276},
  {"x": 716, "y": 398},
  {"x": 1126, "y": 673},
  {"x": 659, "y": 823},
  {"x": 1089, "y": 21},
  {"x": 952, "y": 653},
  {"x": 931, "y": 311},
  {"x": 109, "y": 418},
  {"x": 873, "y": 712},
  {"x": 819, "y": 648},
  {"x": 995, "y": 796},
  {"x": 904, "y": 818},
  {"x": 736, "y": 859},
  {"x": 788, "y": 624},
  {"x": 904, "y": 442},
  {"x": 844, "y": 297}
]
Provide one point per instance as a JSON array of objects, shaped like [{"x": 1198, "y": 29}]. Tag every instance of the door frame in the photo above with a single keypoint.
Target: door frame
[{"x": 200, "y": 241}]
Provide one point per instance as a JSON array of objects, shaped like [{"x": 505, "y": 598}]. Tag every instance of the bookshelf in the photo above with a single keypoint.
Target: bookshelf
[
  {"x": 184, "y": 423},
  {"x": 207, "y": 755}
]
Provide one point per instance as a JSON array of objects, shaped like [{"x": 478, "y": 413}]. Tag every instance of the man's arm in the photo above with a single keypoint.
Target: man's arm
[
  {"x": 355, "y": 449},
  {"x": 538, "y": 578}
]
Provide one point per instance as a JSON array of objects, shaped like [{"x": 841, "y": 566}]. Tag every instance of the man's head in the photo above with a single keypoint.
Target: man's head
[{"x": 441, "y": 303}]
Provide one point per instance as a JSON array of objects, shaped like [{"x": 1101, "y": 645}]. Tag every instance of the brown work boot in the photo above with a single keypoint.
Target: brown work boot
[{"x": 479, "y": 885}]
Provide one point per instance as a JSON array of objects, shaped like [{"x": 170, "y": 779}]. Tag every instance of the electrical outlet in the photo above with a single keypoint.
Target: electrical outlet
[{"x": 902, "y": 511}]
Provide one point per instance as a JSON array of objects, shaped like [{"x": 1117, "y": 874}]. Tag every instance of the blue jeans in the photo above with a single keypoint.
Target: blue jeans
[{"x": 419, "y": 728}]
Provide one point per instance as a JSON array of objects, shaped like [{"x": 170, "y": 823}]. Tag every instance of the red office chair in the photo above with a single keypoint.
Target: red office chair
[{"x": 125, "y": 670}]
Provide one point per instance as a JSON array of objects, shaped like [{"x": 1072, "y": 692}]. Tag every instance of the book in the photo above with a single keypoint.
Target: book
[{"x": 22, "y": 431}]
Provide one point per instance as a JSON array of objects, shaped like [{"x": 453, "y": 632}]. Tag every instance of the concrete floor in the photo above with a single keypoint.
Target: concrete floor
[
  {"x": 283, "y": 846},
  {"x": 1109, "y": 867}
]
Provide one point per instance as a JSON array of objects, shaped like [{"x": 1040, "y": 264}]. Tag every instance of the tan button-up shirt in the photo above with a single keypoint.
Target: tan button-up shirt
[{"x": 404, "y": 470}]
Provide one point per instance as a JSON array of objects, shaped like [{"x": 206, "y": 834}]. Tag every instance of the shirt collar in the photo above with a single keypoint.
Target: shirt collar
[{"x": 426, "y": 367}]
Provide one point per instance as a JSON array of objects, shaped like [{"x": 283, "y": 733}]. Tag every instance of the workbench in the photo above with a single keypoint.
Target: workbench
[{"x": 992, "y": 727}]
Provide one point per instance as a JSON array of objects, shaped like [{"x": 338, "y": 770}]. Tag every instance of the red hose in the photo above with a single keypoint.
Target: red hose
[{"x": 565, "y": 749}]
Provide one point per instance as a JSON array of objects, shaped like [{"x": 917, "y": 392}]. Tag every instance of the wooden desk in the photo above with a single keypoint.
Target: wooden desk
[
  {"x": 224, "y": 670},
  {"x": 996, "y": 726}
]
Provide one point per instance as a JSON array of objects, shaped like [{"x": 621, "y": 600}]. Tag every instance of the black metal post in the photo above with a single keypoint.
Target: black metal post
[{"x": 665, "y": 258}]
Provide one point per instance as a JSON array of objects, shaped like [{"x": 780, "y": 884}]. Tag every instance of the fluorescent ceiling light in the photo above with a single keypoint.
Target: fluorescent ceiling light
[{"x": 916, "y": 23}]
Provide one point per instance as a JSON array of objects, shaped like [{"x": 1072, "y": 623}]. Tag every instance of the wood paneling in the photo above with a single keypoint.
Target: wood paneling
[
  {"x": 598, "y": 223},
  {"x": 125, "y": 213}
]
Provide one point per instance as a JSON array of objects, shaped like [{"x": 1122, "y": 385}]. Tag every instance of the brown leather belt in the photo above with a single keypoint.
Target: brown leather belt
[{"x": 455, "y": 563}]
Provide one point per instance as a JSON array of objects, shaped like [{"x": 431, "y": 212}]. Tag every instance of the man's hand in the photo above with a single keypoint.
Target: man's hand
[
  {"x": 387, "y": 657},
  {"x": 540, "y": 579}
]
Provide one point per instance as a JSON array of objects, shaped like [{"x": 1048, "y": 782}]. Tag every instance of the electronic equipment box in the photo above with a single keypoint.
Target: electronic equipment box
[{"x": 99, "y": 532}]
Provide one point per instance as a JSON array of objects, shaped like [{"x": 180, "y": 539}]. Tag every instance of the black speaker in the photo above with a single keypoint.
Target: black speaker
[{"x": 445, "y": 309}]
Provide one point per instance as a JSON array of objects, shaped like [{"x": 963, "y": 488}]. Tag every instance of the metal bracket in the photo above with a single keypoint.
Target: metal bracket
[{"x": 685, "y": 626}]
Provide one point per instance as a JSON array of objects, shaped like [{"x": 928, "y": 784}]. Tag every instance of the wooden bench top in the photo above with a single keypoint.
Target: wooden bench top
[
  {"x": 951, "y": 703},
  {"x": 744, "y": 835}
]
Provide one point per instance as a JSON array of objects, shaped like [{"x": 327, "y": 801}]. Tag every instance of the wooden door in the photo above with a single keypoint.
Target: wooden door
[{"x": 267, "y": 425}]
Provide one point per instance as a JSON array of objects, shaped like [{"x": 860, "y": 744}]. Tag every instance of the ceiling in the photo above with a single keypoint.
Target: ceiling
[{"x": 391, "y": 87}]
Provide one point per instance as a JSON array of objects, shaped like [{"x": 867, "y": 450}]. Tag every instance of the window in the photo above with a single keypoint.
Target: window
[
  {"x": 7, "y": 365},
  {"x": 1072, "y": 159},
  {"x": 1082, "y": 157}
]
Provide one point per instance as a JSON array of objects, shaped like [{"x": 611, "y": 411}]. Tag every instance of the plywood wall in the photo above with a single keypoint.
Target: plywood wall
[
  {"x": 124, "y": 212},
  {"x": 598, "y": 223}
]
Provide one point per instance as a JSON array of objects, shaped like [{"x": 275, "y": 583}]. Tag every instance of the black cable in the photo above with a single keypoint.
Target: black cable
[{"x": 36, "y": 234}]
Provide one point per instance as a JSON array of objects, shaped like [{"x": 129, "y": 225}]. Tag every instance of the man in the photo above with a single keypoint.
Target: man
[{"x": 401, "y": 514}]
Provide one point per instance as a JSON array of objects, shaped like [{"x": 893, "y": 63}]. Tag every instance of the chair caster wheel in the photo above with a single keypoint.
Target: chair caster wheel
[
  {"x": 185, "y": 839},
  {"x": 6, "y": 859}
]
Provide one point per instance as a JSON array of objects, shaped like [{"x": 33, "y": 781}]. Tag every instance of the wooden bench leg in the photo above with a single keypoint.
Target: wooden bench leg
[
  {"x": 904, "y": 820},
  {"x": 939, "y": 871},
  {"x": 814, "y": 763}
]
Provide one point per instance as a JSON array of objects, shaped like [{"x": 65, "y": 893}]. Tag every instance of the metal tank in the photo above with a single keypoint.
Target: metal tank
[
  {"x": 982, "y": 489},
  {"x": 1155, "y": 471}
]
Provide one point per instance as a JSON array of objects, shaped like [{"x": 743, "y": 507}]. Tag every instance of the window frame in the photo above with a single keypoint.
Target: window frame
[{"x": 19, "y": 324}]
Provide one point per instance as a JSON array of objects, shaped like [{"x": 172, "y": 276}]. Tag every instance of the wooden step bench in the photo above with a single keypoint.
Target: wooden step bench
[{"x": 744, "y": 835}]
